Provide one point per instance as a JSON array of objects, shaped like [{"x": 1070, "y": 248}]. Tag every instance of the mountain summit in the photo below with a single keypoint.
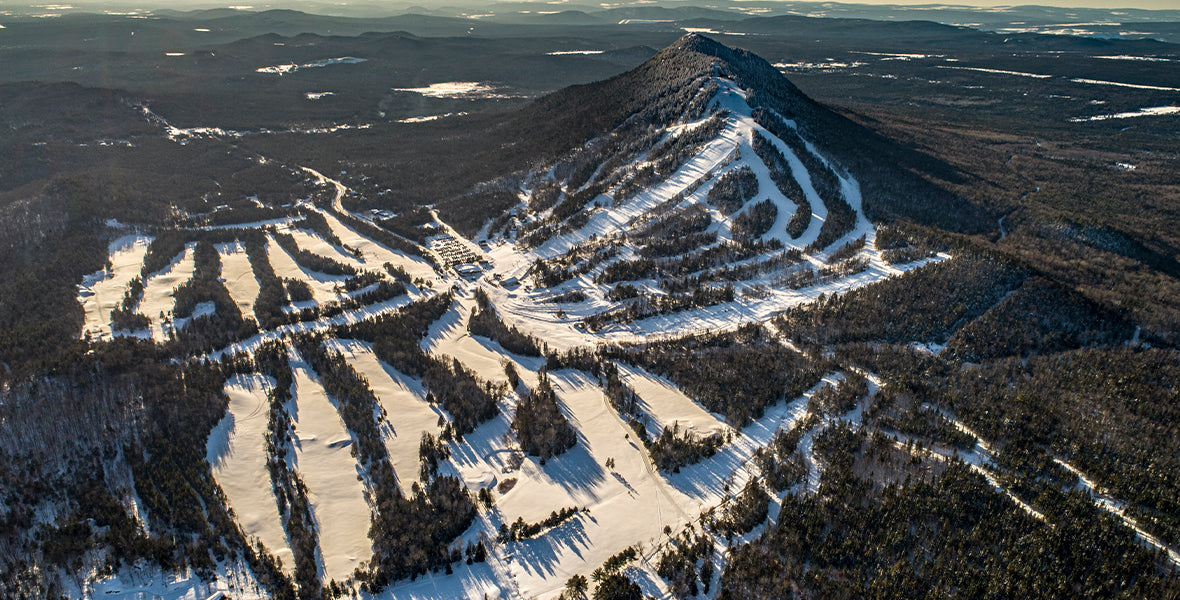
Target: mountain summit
[{"x": 893, "y": 178}]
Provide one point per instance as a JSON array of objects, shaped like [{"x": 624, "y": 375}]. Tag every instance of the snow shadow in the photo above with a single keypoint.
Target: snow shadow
[
  {"x": 576, "y": 471},
  {"x": 540, "y": 556},
  {"x": 471, "y": 582}
]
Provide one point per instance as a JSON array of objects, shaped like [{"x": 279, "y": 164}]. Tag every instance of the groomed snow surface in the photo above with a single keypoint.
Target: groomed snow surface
[
  {"x": 236, "y": 451},
  {"x": 323, "y": 458},
  {"x": 403, "y": 402},
  {"x": 102, "y": 292},
  {"x": 158, "y": 296},
  {"x": 239, "y": 277},
  {"x": 557, "y": 323}
]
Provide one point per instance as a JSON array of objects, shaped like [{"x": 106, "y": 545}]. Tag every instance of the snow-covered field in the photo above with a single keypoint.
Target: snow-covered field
[
  {"x": 286, "y": 68},
  {"x": 1152, "y": 111},
  {"x": 322, "y": 285},
  {"x": 448, "y": 337},
  {"x": 373, "y": 256},
  {"x": 457, "y": 89},
  {"x": 317, "y": 245}
]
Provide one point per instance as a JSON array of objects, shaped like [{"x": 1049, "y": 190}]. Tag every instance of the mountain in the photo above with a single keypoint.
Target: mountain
[
  {"x": 658, "y": 93},
  {"x": 683, "y": 330}
]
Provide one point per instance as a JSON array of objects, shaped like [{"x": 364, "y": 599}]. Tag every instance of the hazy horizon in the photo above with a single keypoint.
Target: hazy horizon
[{"x": 380, "y": 8}]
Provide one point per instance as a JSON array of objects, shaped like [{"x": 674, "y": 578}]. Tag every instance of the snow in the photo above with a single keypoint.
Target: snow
[
  {"x": 628, "y": 505},
  {"x": 931, "y": 348},
  {"x": 185, "y": 135},
  {"x": 1154, "y": 111},
  {"x": 148, "y": 583},
  {"x": 470, "y": 90},
  {"x": 102, "y": 291},
  {"x": 318, "y": 95},
  {"x": 633, "y": 493},
  {"x": 1135, "y": 58},
  {"x": 1118, "y": 509},
  {"x": 997, "y": 72},
  {"x": 479, "y": 581},
  {"x": 292, "y": 67},
  {"x": 323, "y": 458},
  {"x": 830, "y": 64},
  {"x": 571, "y": 52},
  {"x": 315, "y": 244},
  {"x": 897, "y": 56},
  {"x": 236, "y": 451},
  {"x": 665, "y": 404},
  {"x": 374, "y": 255},
  {"x": 254, "y": 224},
  {"x": 428, "y": 118},
  {"x": 239, "y": 277},
  {"x": 980, "y": 458},
  {"x": 1126, "y": 85},
  {"x": 285, "y": 267},
  {"x": 448, "y": 337},
  {"x": 158, "y": 292},
  {"x": 403, "y": 402},
  {"x": 542, "y": 320},
  {"x": 319, "y": 325}
]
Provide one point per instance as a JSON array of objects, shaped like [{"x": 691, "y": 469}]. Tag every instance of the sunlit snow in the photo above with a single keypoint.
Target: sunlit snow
[
  {"x": 457, "y": 89},
  {"x": 1155, "y": 111},
  {"x": 292, "y": 67}
]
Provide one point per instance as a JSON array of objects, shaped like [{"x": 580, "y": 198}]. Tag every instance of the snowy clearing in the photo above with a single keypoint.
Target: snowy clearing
[
  {"x": 158, "y": 300},
  {"x": 373, "y": 256},
  {"x": 322, "y": 286},
  {"x": 1127, "y": 85},
  {"x": 1154, "y": 111},
  {"x": 284, "y": 69},
  {"x": 665, "y": 404},
  {"x": 997, "y": 71},
  {"x": 470, "y": 90},
  {"x": 448, "y": 337}
]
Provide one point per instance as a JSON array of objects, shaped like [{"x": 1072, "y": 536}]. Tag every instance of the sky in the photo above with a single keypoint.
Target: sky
[
  {"x": 387, "y": 7},
  {"x": 1142, "y": 4}
]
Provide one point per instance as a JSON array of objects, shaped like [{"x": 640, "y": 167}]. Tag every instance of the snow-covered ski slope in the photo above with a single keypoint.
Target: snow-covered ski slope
[
  {"x": 102, "y": 292},
  {"x": 627, "y": 503},
  {"x": 737, "y": 136},
  {"x": 760, "y": 295},
  {"x": 623, "y": 499}
]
